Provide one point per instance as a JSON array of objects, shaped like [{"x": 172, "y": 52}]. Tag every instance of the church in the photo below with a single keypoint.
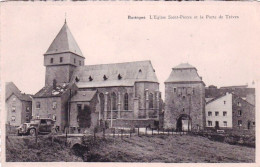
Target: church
[{"x": 82, "y": 96}]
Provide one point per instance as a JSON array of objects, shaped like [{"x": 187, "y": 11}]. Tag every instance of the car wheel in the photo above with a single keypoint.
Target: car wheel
[{"x": 32, "y": 132}]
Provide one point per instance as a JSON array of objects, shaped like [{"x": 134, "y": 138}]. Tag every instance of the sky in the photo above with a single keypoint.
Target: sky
[{"x": 225, "y": 52}]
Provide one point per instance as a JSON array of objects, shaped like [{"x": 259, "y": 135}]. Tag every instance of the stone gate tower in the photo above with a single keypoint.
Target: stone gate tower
[
  {"x": 184, "y": 99},
  {"x": 62, "y": 57}
]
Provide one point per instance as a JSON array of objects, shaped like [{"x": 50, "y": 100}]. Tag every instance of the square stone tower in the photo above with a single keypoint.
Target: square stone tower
[
  {"x": 184, "y": 99},
  {"x": 62, "y": 57}
]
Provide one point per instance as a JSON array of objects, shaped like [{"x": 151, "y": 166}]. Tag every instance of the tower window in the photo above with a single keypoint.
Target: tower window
[
  {"x": 216, "y": 113},
  {"x": 80, "y": 63},
  {"x": 239, "y": 112},
  {"x": 90, "y": 78},
  {"x": 61, "y": 59},
  {"x": 224, "y": 102},
  {"x": 239, "y": 122},
  {"x": 74, "y": 61},
  {"x": 225, "y": 123},
  {"x": 77, "y": 79},
  {"x": 174, "y": 90},
  {"x": 119, "y": 76},
  {"x": 105, "y": 77},
  {"x": 51, "y": 60}
]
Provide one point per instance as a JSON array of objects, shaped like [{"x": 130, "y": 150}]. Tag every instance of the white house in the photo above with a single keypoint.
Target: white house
[{"x": 219, "y": 112}]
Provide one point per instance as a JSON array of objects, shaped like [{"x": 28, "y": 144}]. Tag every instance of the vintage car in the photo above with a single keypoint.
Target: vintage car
[{"x": 39, "y": 126}]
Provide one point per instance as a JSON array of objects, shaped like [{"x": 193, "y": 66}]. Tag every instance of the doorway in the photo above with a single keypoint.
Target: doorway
[{"x": 183, "y": 123}]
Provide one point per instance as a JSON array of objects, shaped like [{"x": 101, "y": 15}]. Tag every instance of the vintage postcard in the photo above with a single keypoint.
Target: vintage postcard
[{"x": 140, "y": 83}]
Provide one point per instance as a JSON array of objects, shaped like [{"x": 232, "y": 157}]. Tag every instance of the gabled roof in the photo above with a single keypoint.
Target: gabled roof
[
  {"x": 21, "y": 96},
  {"x": 184, "y": 73},
  {"x": 129, "y": 72},
  {"x": 83, "y": 96},
  {"x": 10, "y": 88},
  {"x": 64, "y": 42},
  {"x": 49, "y": 91},
  {"x": 216, "y": 98}
]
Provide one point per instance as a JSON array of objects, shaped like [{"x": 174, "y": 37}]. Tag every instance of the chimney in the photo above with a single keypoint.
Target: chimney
[{"x": 54, "y": 84}]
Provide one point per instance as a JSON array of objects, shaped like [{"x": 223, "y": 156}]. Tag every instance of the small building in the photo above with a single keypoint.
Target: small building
[
  {"x": 83, "y": 113},
  {"x": 18, "y": 105},
  {"x": 52, "y": 102},
  {"x": 184, "y": 99}
]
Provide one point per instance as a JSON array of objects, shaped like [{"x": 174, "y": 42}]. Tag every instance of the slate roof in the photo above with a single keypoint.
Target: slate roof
[
  {"x": 184, "y": 73},
  {"x": 64, "y": 42},
  {"x": 130, "y": 73},
  {"x": 49, "y": 91},
  {"x": 83, "y": 96},
  {"x": 11, "y": 89}
]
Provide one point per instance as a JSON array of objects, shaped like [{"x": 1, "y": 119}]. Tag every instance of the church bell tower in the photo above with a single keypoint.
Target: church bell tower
[{"x": 62, "y": 57}]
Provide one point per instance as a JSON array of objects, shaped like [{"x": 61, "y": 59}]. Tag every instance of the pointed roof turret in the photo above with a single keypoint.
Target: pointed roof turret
[
  {"x": 64, "y": 42},
  {"x": 184, "y": 72}
]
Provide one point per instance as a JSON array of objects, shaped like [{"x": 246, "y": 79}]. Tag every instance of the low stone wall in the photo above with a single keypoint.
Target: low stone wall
[{"x": 130, "y": 123}]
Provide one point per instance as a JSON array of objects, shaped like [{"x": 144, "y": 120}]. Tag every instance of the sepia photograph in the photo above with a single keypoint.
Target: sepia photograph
[{"x": 129, "y": 83}]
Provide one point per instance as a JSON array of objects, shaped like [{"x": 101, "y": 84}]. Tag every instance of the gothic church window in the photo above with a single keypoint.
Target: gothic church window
[
  {"x": 150, "y": 100},
  {"x": 113, "y": 101},
  {"x": 126, "y": 101}
]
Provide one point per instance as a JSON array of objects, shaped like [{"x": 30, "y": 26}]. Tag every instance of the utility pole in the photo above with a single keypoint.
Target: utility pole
[
  {"x": 111, "y": 117},
  {"x": 189, "y": 112}
]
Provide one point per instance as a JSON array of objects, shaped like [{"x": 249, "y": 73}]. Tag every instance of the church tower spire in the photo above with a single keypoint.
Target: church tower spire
[{"x": 62, "y": 57}]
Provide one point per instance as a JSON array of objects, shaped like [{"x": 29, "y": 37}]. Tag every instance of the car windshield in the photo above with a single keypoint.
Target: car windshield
[{"x": 36, "y": 121}]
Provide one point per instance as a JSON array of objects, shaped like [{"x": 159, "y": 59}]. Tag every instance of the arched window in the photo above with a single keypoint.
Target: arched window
[
  {"x": 126, "y": 101},
  {"x": 150, "y": 100},
  {"x": 102, "y": 104},
  {"x": 113, "y": 101}
]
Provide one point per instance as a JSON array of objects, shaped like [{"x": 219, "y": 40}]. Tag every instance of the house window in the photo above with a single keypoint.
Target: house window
[
  {"x": 113, "y": 101},
  {"x": 253, "y": 123},
  {"x": 27, "y": 109},
  {"x": 38, "y": 105},
  {"x": 37, "y": 117},
  {"x": 239, "y": 122},
  {"x": 126, "y": 101},
  {"x": 224, "y": 113},
  {"x": 150, "y": 100},
  {"x": 224, "y": 102},
  {"x": 209, "y": 113},
  {"x": 239, "y": 112},
  {"x": 216, "y": 113},
  {"x": 225, "y": 123},
  {"x": 74, "y": 61},
  {"x": 54, "y": 105},
  {"x": 51, "y": 60},
  {"x": 179, "y": 92},
  {"x": 13, "y": 108},
  {"x": 209, "y": 123},
  {"x": 119, "y": 76},
  {"x": 13, "y": 118},
  {"x": 80, "y": 63},
  {"x": 61, "y": 59}
]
